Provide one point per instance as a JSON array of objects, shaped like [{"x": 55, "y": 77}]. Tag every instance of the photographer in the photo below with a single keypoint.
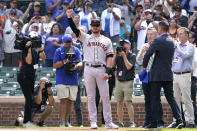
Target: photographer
[
  {"x": 124, "y": 60},
  {"x": 26, "y": 76},
  {"x": 43, "y": 100},
  {"x": 67, "y": 61},
  {"x": 192, "y": 24}
]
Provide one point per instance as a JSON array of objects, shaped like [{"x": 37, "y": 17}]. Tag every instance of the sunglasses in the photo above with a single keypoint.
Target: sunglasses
[
  {"x": 65, "y": 4},
  {"x": 36, "y": 5},
  {"x": 147, "y": 13},
  {"x": 12, "y": 13}
]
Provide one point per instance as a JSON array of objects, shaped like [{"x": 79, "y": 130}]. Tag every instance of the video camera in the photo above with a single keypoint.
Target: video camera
[
  {"x": 69, "y": 54},
  {"x": 21, "y": 40}
]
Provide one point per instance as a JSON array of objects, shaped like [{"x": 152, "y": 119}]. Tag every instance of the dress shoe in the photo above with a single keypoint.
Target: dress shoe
[
  {"x": 152, "y": 125},
  {"x": 191, "y": 126}
]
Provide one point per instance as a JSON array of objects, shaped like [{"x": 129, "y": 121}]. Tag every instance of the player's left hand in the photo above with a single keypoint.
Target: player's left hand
[{"x": 105, "y": 76}]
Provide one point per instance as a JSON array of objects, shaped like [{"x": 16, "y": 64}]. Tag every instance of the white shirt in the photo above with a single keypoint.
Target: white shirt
[
  {"x": 89, "y": 17},
  {"x": 114, "y": 24},
  {"x": 142, "y": 34},
  {"x": 8, "y": 44},
  {"x": 140, "y": 62},
  {"x": 194, "y": 63}
]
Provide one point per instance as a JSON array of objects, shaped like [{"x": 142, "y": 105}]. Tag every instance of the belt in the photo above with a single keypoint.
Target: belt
[
  {"x": 179, "y": 73},
  {"x": 95, "y": 66}
]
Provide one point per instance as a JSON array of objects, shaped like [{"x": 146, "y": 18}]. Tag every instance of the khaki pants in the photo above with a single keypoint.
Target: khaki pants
[{"x": 182, "y": 90}]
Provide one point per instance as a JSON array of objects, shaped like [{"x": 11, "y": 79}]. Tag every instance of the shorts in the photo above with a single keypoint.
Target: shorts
[
  {"x": 67, "y": 91},
  {"x": 123, "y": 90}
]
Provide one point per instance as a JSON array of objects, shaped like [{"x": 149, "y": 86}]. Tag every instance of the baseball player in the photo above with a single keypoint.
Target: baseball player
[{"x": 98, "y": 53}]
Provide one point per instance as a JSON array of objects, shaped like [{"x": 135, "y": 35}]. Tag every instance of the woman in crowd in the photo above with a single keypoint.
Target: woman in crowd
[
  {"x": 52, "y": 42},
  {"x": 173, "y": 27}
]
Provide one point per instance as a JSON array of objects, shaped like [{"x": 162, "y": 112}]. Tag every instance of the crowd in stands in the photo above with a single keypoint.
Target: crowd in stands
[{"x": 128, "y": 20}]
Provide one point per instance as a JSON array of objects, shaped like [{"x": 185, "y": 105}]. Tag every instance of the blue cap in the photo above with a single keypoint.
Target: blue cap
[
  {"x": 3, "y": 1},
  {"x": 67, "y": 38}
]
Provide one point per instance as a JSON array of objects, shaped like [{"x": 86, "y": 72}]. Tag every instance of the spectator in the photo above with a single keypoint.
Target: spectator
[
  {"x": 110, "y": 21},
  {"x": 138, "y": 15},
  {"x": 169, "y": 5},
  {"x": 147, "y": 4},
  {"x": 181, "y": 19},
  {"x": 13, "y": 6},
  {"x": 141, "y": 26},
  {"x": 126, "y": 10},
  {"x": 31, "y": 9},
  {"x": 151, "y": 35},
  {"x": 2, "y": 24},
  {"x": 86, "y": 16},
  {"x": 52, "y": 6},
  {"x": 125, "y": 30},
  {"x": 43, "y": 100},
  {"x": 66, "y": 78},
  {"x": 61, "y": 17},
  {"x": 12, "y": 56},
  {"x": 2, "y": 7},
  {"x": 26, "y": 78},
  {"x": 182, "y": 67},
  {"x": 48, "y": 22},
  {"x": 173, "y": 28},
  {"x": 161, "y": 13},
  {"x": 193, "y": 6},
  {"x": 194, "y": 76},
  {"x": 52, "y": 42},
  {"x": 193, "y": 25},
  {"x": 125, "y": 63}
]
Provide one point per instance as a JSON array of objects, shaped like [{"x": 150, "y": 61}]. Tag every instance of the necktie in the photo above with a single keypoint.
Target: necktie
[{"x": 150, "y": 62}]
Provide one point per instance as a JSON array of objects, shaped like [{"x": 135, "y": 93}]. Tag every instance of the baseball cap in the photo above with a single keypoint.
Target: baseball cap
[
  {"x": 138, "y": 7},
  {"x": 3, "y": 1},
  {"x": 14, "y": 1},
  {"x": 128, "y": 42},
  {"x": 13, "y": 11},
  {"x": 67, "y": 38},
  {"x": 66, "y": 2},
  {"x": 34, "y": 25},
  {"x": 148, "y": 10},
  {"x": 95, "y": 22}
]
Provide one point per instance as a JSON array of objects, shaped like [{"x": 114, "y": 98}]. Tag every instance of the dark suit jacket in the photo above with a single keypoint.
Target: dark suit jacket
[{"x": 163, "y": 47}]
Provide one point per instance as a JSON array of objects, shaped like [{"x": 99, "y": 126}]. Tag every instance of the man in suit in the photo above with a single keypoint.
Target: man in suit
[{"x": 161, "y": 74}]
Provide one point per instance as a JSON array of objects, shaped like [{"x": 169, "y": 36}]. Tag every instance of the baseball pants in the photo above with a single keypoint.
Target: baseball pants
[{"x": 93, "y": 76}]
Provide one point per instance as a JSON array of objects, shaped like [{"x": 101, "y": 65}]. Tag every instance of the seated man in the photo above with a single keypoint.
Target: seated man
[{"x": 43, "y": 100}]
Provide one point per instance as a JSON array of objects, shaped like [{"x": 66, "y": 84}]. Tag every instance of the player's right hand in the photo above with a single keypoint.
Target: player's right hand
[{"x": 69, "y": 13}]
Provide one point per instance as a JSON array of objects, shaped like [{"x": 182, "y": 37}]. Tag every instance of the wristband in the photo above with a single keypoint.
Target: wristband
[{"x": 109, "y": 71}]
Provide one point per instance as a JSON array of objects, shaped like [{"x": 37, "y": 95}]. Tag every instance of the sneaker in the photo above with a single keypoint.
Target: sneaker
[
  {"x": 111, "y": 126},
  {"x": 29, "y": 124},
  {"x": 191, "y": 126},
  {"x": 93, "y": 125},
  {"x": 145, "y": 125},
  {"x": 172, "y": 125},
  {"x": 41, "y": 124},
  {"x": 67, "y": 124},
  {"x": 62, "y": 124},
  {"x": 132, "y": 125},
  {"x": 120, "y": 124},
  {"x": 81, "y": 126}
]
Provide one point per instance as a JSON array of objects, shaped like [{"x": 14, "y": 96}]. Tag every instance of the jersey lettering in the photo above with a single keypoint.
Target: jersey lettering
[{"x": 97, "y": 44}]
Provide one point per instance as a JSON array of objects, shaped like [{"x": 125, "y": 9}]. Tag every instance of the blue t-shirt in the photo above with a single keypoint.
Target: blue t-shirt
[
  {"x": 49, "y": 47},
  {"x": 63, "y": 22},
  {"x": 62, "y": 77},
  {"x": 84, "y": 20},
  {"x": 122, "y": 32},
  {"x": 49, "y": 3},
  {"x": 107, "y": 23}
]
